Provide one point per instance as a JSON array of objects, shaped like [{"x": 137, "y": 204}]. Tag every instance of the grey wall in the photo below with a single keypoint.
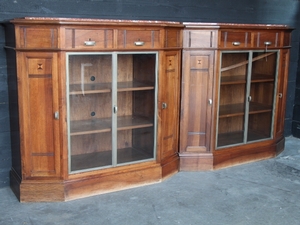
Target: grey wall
[{"x": 238, "y": 11}]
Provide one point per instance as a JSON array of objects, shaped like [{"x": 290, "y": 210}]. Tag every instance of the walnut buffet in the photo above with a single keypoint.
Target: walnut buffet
[{"x": 106, "y": 105}]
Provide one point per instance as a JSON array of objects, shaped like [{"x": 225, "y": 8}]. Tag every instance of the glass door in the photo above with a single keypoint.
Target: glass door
[
  {"x": 246, "y": 97},
  {"x": 261, "y": 97},
  {"x": 136, "y": 94},
  {"x": 111, "y": 109},
  {"x": 232, "y": 95},
  {"x": 89, "y": 85}
]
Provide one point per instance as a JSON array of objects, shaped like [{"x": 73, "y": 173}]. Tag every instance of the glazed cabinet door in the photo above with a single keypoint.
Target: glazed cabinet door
[
  {"x": 111, "y": 109},
  {"x": 39, "y": 114},
  {"x": 196, "y": 101},
  {"x": 248, "y": 82}
]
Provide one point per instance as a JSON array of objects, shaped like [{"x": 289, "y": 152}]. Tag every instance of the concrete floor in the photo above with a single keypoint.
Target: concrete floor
[{"x": 265, "y": 192}]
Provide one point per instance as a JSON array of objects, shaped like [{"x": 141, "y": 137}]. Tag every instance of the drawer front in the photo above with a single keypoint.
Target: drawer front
[
  {"x": 266, "y": 39},
  {"x": 37, "y": 37},
  {"x": 173, "y": 38},
  {"x": 199, "y": 39},
  {"x": 235, "y": 39},
  {"x": 138, "y": 39},
  {"x": 89, "y": 38}
]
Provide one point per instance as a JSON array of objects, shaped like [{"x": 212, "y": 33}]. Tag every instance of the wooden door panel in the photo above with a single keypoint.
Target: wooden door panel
[
  {"x": 281, "y": 93},
  {"x": 169, "y": 92},
  {"x": 39, "y": 101},
  {"x": 196, "y": 108}
]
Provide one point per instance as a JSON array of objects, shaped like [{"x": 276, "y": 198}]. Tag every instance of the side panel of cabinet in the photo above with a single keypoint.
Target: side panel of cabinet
[
  {"x": 196, "y": 110},
  {"x": 38, "y": 103},
  {"x": 168, "y": 109},
  {"x": 281, "y": 93}
]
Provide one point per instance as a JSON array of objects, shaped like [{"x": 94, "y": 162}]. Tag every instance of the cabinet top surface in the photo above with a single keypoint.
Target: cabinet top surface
[
  {"x": 199, "y": 25},
  {"x": 85, "y": 21}
]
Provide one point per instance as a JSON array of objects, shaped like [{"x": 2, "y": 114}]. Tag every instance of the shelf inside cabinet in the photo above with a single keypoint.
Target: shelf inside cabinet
[
  {"x": 75, "y": 89},
  {"x": 254, "y": 135},
  {"x": 134, "y": 86},
  {"x": 238, "y": 79},
  {"x": 239, "y": 109},
  {"x": 104, "y": 158},
  {"x": 230, "y": 138},
  {"x": 256, "y": 78},
  {"x": 104, "y": 125},
  {"x": 231, "y": 110},
  {"x": 256, "y": 107}
]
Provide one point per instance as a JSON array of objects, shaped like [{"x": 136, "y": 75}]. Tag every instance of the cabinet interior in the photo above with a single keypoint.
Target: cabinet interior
[
  {"x": 112, "y": 109},
  {"x": 246, "y": 96}
]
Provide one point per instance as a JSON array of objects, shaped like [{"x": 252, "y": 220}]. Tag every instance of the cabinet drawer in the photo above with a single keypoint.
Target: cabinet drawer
[
  {"x": 38, "y": 37},
  {"x": 138, "y": 39},
  {"x": 199, "y": 39},
  {"x": 89, "y": 38},
  {"x": 235, "y": 39},
  {"x": 266, "y": 39}
]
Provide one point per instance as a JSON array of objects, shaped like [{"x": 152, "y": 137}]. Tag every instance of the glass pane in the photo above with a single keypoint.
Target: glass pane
[
  {"x": 136, "y": 107},
  {"x": 262, "y": 95},
  {"x": 90, "y": 110},
  {"x": 234, "y": 69}
]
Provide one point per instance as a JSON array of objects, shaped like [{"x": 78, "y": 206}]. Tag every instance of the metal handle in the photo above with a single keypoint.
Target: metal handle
[
  {"x": 139, "y": 43},
  {"x": 236, "y": 43},
  {"x": 210, "y": 101},
  {"x": 267, "y": 43},
  {"x": 56, "y": 115},
  {"x": 90, "y": 43},
  {"x": 115, "y": 109},
  {"x": 249, "y": 98},
  {"x": 280, "y": 95},
  {"x": 164, "y": 105}
]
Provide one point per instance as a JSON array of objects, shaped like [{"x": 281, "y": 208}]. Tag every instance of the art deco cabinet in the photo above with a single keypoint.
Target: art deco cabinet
[
  {"x": 106, "y": 105},
  {"x": 234, "y": 81},
  {"x": 98, "y": 105}
]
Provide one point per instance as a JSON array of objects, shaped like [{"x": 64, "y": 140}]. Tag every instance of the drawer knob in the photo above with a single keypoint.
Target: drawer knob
[
  {"x": 267, "y": 43},
  {"x": 236, "y": 43},
  {"x": 139, "y": 43},
  {"x": 90, "y": 43}
]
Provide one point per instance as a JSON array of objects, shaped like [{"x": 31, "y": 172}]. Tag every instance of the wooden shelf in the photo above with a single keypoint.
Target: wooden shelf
[
  {"x": 256, "y": 107},
  {"x": 239, "y": 109},
  {"x": 104, "y": 125},
  {"x": 237, "y": 137},
  {"x": 256, "y": 78},
  {"x": 230, "y": 138},
  {"x": 76, "y": 89},
  {"x": 231, "y": 110},
  {"x": 104, "y": 159},
  {"x": 238, "y": 79},
  {"x": 134, "y": 86}
]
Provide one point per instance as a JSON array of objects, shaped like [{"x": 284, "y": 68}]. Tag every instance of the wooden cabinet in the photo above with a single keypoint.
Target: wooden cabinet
[
  {"x": 106, "y": 105},
  {"x": 233, "y": 102},
  {"x": 96, "y": 100}
]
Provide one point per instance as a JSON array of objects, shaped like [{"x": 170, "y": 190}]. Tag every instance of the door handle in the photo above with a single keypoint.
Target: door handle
[
  {"x": 56, "y": 115},
  {"x": 164, "y": 105}
]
